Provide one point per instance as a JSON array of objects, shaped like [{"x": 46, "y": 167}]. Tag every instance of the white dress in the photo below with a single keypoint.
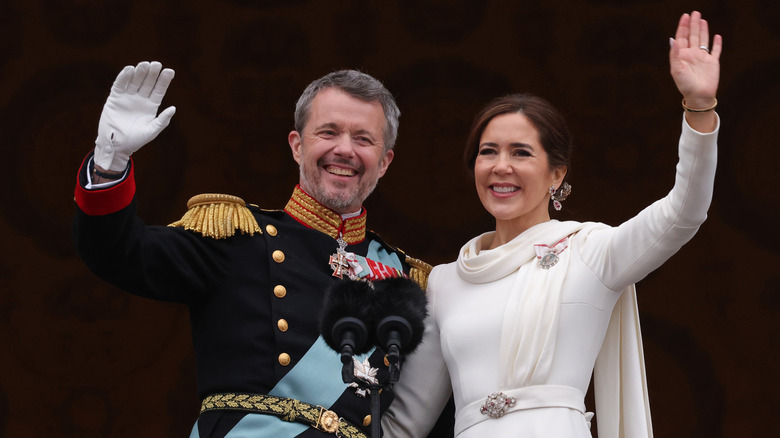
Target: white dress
[{"x": 461, "y": 351}]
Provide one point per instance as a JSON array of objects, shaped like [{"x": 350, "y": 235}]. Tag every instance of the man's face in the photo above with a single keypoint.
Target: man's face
[{"x": 341, "y": 151}]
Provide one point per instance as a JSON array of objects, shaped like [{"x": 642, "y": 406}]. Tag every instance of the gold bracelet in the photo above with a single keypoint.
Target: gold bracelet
[{"x": 694, "y": 110}]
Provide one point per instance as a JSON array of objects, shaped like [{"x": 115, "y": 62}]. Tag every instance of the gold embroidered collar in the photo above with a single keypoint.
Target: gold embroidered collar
[{"x": 312, "y": 214}]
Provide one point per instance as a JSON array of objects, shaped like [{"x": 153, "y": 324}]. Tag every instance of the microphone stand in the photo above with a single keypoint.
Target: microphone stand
[
  {"x": 392, "y": 333},
  {"x": 376, "y": 412},
  {"x": 353, "y": 333},
  {"x": 394, "y": 371}
]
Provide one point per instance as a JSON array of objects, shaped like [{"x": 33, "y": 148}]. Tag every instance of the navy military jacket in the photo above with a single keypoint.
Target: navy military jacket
[{"x": 255, "y": 301}]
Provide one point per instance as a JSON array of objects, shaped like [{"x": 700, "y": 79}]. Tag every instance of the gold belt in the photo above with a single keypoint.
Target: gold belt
[{"x": 288, "y": 409}]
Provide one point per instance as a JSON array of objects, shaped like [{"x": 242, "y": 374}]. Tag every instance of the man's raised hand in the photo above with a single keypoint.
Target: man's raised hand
[{"x": 129, "y": 119}]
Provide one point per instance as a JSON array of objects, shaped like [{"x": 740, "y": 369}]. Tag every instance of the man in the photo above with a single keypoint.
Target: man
[{"x": 254, "y": 279}]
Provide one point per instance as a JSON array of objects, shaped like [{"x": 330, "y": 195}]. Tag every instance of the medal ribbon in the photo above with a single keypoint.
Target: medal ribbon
[
  {"x": 358, "y": 267},
  {"x": 544, "y": 250}
]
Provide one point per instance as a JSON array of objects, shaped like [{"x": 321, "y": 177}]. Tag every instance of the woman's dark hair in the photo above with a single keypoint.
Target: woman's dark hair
[{"x": 553, "y": 132}]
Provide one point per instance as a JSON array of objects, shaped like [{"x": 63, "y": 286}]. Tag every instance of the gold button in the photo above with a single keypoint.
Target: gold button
[
  {"x": 271, "y": 230},
  {"x": 387, "y": 361},
  {"x": 282, "y": 324},
  {"x": 367, "y": 420},
  {"x": 284, "y": 359},
  {"x": 280, "y": 291},
  {"x": 278, "y": 256}
]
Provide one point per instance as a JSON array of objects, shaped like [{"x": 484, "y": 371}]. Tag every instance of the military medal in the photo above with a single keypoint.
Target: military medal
[
  {"x": 338, "y": 262},
  {"x": 548, "y": 256},
  {"x": 343, "y": 262}
]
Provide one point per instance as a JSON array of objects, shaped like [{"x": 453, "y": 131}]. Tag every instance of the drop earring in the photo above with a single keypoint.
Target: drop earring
[{"x": 559, "y": 195}]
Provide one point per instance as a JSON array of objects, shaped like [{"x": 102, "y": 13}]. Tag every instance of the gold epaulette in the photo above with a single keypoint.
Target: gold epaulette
[
  {"x": 419, "y": 272},
  {"x": 218, "y": 216}
]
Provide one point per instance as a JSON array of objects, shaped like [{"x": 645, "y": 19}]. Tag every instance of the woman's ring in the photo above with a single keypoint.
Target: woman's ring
[{"x": 705, "y": 48}]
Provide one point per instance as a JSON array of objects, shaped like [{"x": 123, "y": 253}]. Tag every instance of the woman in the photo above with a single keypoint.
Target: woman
[{"x": 524, "y": 316}]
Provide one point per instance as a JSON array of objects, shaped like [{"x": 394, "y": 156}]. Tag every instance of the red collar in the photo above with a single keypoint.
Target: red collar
[{"x": 309, "y": 212}]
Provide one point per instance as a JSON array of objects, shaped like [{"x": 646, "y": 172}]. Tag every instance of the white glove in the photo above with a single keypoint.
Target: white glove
[{"x": 129, "y": 119}]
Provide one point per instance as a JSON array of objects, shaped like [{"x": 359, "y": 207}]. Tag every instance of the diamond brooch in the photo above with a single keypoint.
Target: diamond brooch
[{"x": 497, "y": 404}]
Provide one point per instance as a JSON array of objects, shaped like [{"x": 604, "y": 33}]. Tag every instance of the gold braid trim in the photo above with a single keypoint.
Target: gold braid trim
[
  {"x": 218, "y": 216},
  {"x": 419, "y": 271},
  {"x": 288, "y": 409},
  {"x": 308, "y": 211}
]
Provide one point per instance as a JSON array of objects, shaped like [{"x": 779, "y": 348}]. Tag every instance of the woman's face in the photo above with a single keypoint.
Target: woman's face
[{"x": 512, "y": 174}]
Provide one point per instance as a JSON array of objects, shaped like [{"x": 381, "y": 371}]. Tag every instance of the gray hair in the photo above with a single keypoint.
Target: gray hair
[{"x": 358, "y": 85}]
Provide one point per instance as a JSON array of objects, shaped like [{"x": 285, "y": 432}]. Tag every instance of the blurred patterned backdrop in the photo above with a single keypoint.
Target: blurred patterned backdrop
[{"x": 83, "y": 359}]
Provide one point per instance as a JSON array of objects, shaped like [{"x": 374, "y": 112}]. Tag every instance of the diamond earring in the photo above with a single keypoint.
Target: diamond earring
[{"x": 559, "y": 195}]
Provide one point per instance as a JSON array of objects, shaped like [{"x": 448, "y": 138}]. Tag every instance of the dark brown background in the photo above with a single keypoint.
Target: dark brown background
[{"x": 83, "y": 359}]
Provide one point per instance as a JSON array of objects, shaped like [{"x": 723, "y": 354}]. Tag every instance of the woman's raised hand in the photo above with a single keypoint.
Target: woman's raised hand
[{"x": 694, "y": 64}]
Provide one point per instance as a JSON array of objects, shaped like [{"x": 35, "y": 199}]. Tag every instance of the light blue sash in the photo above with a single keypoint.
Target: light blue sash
[{"x": 320, "y": 364}]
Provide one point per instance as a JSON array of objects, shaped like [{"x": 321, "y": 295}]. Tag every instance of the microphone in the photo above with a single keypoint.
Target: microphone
[
  {"x": 347, "y": 313},
  {"x": 400, "y": 307},
  {"x": 350, "y": 313}
]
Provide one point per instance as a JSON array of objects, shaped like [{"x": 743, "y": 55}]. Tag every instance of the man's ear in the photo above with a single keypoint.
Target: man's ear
[
  {"x": 385, "y": 163},
  {"x": 294, "y": 139}
]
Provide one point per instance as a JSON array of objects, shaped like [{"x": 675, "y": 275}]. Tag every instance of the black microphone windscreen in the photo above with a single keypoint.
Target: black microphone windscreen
[
  {"x": 346, "y": 298},
  {"x": 404, "y": 298}
]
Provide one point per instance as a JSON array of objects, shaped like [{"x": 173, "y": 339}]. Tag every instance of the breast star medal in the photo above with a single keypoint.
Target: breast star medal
[{"x": 366, "y": 373}]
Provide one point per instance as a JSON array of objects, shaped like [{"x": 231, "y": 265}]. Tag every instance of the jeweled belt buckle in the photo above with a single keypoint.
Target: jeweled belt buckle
[{"x": 497, "y": 404}]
